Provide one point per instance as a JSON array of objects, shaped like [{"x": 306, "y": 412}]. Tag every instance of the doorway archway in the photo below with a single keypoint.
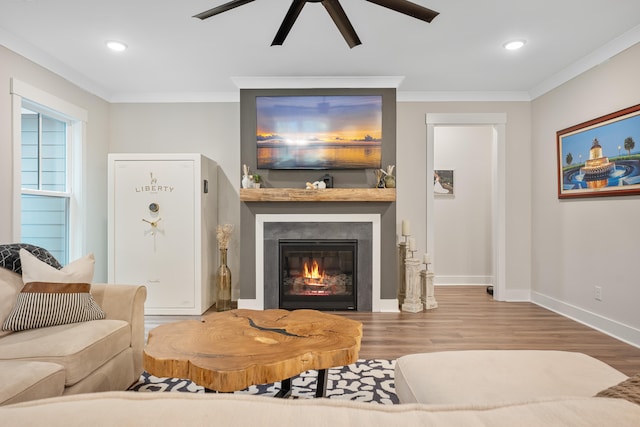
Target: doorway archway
[{"x": 498, "y": 123}]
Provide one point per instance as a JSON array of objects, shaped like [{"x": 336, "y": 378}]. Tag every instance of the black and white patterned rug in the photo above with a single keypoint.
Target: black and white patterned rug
[{"x": 365, "y": 381}]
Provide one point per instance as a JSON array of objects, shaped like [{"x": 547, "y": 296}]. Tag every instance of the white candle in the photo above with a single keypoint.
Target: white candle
[
  {"x": 412, "y": 244},
  {"x": 405, "y": 228},
  {"x": 427, "y": 259}
]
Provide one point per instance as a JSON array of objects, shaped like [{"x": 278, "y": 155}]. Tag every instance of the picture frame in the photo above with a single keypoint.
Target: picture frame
[
  {"x": 600, "y": 157},
  {"x": 443, "y": 183}
]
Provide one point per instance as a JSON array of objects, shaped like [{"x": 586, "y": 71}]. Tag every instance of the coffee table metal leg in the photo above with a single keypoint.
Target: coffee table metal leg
[
  {"x": 321, "y": 388},
  {"x": 285, "y": 389},
  {"x": 208, "y": 390}
]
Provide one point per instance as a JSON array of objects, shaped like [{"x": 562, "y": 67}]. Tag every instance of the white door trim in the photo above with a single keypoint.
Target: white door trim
[{"x": 498, "y": 122}]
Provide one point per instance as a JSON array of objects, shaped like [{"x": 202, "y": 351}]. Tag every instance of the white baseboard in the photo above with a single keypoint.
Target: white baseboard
[
  {"x": 511, "y": 295},
  {"x": 250, "y": 304},
  {"x": 607, "y": 326},
  {"x": 460, "y": 284},
  {"x": 463, "y": 280},
  {"x": 389, "y": 305},
  {"x": 517, "y": 295}
]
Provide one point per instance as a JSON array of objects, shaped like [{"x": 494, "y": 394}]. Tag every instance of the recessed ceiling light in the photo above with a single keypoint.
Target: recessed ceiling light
[
  {"x": 514, "y": 44},
  {"x": 116, "y": 45}
]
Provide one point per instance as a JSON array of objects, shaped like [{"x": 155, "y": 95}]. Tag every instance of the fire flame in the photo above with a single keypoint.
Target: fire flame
[{"x": 313, "y": 273}]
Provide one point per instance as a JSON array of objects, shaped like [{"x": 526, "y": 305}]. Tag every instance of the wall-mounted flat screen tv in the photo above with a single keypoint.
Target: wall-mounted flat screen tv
[{"x": 319, "y": 132}]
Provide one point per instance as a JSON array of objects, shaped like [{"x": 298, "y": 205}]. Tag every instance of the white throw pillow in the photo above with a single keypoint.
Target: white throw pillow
[
  {"x": 42, "y": 304},
  {"x": 34, "y": 270},
  {"x": 53, "y": 297}
]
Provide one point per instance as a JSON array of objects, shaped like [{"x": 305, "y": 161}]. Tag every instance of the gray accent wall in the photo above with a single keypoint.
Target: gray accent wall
[
  {"x": 347, "y": 178},
  {"x": 298, "y": 178}
]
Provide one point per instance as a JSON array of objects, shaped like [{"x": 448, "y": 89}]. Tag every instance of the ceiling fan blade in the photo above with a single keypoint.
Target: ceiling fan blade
[
  {"x": 342, "y": 22},
  {"x": 408, "y": 8},
  {"x": 287, "y": 23},
  {"x": 222, "y": 8}
]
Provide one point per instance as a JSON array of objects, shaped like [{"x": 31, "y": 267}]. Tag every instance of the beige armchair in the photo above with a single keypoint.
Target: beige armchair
[{"x": 98, "y": 355}]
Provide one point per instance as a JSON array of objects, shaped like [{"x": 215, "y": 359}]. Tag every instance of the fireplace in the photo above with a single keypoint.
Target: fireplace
[
  {"x": 318, "y": 274},
  {"x": 362, "y": 228}
]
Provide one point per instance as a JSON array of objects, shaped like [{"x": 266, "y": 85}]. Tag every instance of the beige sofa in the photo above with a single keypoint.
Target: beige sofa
[
  {"x": 567, "y": 383},
  {"x": 190, "y": 409},
  {"x": 532, "y": 383},
  {"x": 99, "y": 355},
  {"x": 479, "y": 377}
]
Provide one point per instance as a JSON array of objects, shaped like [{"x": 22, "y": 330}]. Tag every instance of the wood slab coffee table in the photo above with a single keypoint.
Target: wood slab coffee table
[{"x": 232, "y": 350}]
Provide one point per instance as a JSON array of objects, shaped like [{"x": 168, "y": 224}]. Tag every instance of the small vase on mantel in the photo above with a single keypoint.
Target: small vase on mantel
[
  {"x": 247, "y": 180},
  {"x": 389, "y": 179},
  {"x": 223, "y": 282}
]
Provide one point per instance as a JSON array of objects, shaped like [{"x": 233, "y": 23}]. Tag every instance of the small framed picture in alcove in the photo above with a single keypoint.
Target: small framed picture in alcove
[{"x": 443, "y": 184}]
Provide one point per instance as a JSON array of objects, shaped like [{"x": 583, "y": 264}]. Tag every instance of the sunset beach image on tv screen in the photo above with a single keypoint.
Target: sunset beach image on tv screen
[{"x": 319, "y": 132}]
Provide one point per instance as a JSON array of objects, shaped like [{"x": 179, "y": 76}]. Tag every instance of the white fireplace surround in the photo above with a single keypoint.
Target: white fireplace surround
[{"x": 377, "y": 304}]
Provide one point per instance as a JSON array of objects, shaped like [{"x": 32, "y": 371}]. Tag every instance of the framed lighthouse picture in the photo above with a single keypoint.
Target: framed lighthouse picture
[{"x": 600, "y": 157}]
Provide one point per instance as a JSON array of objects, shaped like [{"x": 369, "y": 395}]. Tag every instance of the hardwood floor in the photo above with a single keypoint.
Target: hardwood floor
[{"x": 468, "y": 318}]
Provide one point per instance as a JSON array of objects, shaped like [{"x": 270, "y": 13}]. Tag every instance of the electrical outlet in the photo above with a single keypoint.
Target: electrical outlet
[{"x": 598, "y": 293}]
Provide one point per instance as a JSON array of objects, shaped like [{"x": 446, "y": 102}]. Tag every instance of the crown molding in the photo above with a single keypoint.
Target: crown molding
[
  {"x": 316, "y": 82},
  {"x": 174, "y": 97},
  {"x": 595, "y": 58},
  {"x": 43, "y": 59},
  {"x": 462, "y": 96},
  {"x": 188, "y": 97}
]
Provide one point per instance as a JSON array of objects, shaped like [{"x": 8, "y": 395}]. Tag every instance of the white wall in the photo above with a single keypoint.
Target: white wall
[
  {"x": 462, "y": 222},
  {"x": 412, "y": 179},
  {"x": 549, "y": 243},
  {"x": 550, "y": 247},
  {"x": 211, "y": 129},
  {"x": 582, "y": 243},
  {"x": 95, "y": 223}
]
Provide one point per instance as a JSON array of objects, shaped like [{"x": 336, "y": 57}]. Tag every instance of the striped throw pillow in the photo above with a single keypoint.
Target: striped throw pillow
[{"x": 42, "y": 304}]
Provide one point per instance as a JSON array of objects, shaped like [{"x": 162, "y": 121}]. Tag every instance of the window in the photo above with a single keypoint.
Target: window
[
  {"x": 45, "y": 187},
  {"x": 48, "y": 139}
]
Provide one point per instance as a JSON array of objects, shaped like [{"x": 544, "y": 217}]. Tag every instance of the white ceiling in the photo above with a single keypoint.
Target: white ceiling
[{"x": 175, "y": 57}]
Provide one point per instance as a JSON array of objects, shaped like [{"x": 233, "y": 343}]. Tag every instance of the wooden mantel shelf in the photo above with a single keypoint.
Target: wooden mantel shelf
[{"x": 325, "y": 195}]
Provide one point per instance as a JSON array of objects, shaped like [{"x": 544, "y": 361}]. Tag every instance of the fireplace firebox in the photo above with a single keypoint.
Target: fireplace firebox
[{"x": 318, "y": 274}]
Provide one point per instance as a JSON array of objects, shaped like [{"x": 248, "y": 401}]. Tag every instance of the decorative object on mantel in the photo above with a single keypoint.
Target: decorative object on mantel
[
  {"x": 317, "y": 185},
  {"x": 328, "y": 180},
  {"x": 256, "y": 180},
  {"x": 223, "y": 275},
  {"x": 389, "y": 179},
  {"x": 427, "y": 296},
  {"x": 379, "y": 173},
  {"x": 247, "y": 180}
]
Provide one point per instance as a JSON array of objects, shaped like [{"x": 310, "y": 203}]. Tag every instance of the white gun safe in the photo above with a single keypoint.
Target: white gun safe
[{"x": 162, "y": 229}]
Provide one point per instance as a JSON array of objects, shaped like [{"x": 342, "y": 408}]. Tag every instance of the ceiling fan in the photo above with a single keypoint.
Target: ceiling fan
[{"x": 336, "y": 12}]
